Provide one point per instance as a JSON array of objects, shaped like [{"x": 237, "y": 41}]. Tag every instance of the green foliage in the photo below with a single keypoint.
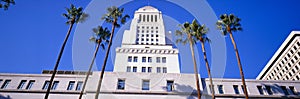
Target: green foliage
[
  {"x": 115, "y": 14},
  {"x": 75, "y": 15},
  {"x": 229, "y": 23},
  {"x": 191, "y": 31},
  {"x": 101, "y": 36},
  {"x": 6, "y": 3}
]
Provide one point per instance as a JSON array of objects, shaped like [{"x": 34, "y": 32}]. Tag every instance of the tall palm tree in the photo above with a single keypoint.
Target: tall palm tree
[
  {"x": 200, "y": 34},
  {"x": 113, "y": 16},
  {"x": 189, "y": 38},
  {"x": 74, "y": 15},
  {"x": 227, "y": 25},
  {"x": 101, "y": 36},
  {"x": 6, "y": 4}
]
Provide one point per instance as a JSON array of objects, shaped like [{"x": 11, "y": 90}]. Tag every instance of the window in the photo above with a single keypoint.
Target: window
[
  {"x": 71, "y": 85},
  {"x": 30, "y": 84},
  {"x": 164, "y": 69},
  {"x": 46, "y": 84},
  {"x": 155, "y": 18},
  {"x": 158, "y": 69},
  {"x": 164, "y": 59},
  {"x": 121, "y": 84},
  {"x": 284, "y": 90},
  {"x": 260, "y": 90},
  {"x": 55, "y": 84},
  {"x": 293, "y": 90},
  {"x": 220, "y": 88},
  {"x": 157, "y": 59},
  {"x": 79, "y": 85},
  {"x": 147, "y": 18},
  {"x": 134, "y": 69},
  {"x": 170, "y": 86},
  {"x": 236, "y": 89},
  {"x": 149, "y": 69},
  {"x": 21, "y": 85},
  {"x": 144, "y": 18},
  {"x": 151, "y": 18},
  {"x": 145, "y": 85},
  {"x": 129, "y": 59},
  {"x": 149, "y": 59},
  {"x": 143, "y": 59},
  {"x": 135, "y": 59},
  {"x": 128, "y": 69},
  {"x": 143, "y": 69},
  {"x": 1, "y": 81},
  {"x": 5, "y": 84},
  {"x": 269, "y": 90}
]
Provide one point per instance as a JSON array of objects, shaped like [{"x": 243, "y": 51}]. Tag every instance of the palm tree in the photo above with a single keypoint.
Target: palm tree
[
  {"x": 112, "y": 16},
  {"x": 101, "y": 37},
  {"x": 227, "y": 25},
  {"x": 186, "y": 30},
  {"x": 74, "y": 15},
  {"x": 6, "y": 4},
  {"x": 200, "y": 34}
]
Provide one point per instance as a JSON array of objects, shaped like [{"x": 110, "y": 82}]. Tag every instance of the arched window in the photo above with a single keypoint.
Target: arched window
[{"x": 144, "y": 18}]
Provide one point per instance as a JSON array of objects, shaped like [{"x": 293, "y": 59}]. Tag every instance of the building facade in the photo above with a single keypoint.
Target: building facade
[
  {"x": 285, "y": 63},
  {"x": 145, "y": 67}
]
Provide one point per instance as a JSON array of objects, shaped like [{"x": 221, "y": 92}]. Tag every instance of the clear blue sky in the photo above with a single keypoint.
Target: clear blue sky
[{"x": 32, "y": 32}]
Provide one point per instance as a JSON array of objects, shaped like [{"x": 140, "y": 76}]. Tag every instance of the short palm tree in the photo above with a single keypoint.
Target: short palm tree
[
  {"x": 6, "y": 3},
  {"x": 189, "y": 38},
  {"x": 101, "y": 36},
  {"x": 113, "y": 16},
  {"x": 227, "y": 25},
  {"x": 200, "y": 34},
  {"x": 74, "y": 15}
]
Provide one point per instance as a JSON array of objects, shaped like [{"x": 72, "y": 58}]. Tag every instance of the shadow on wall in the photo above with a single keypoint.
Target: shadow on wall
[
  {"x": 3, "y": 97},
  {"x": 183, "y": 90},
  {"x": 282, "y": 90}
]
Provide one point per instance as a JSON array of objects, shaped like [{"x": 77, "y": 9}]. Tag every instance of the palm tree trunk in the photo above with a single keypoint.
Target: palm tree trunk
[
  {"x": 59, "y": 57},
  {"x": 195, "y": 67},
  {"x": 239, "y": 64},
  {"x": 105, "y": 60},
  {"x": 90, "y": 69},
  {"x": 208, "y": 71}
]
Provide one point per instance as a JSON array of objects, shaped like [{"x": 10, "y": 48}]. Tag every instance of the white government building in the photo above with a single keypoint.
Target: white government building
[{"x": 148, "y": 68}]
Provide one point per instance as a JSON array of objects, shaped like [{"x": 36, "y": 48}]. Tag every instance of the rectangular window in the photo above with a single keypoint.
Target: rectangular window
[
  {"x": 284, "y": 90},
  {"x": 129, "y": 59},
  {"x": 236, "y": 89},
  {"x": 128, "y": 69},
  {"x": 21, "y": 85},
  {"x": 220, "y": 88},
  {"x": 71, "y": 85},
  {"x": 269, "y": 90},
  {"x": 121, "y": 84},
  {"x": 150, "y": 59},
  {"x": 135, "y": 59},
  {"x": 293, "y": 90},
  {"x": 164, "y": 69},
  {"x": 134, "y": 69},
  {"x": 143, "y": 59},
  {"x": 79, "y": 85},
  {"x": 149, "y": 69},
  {"x": 46, "y": 84},
  {"x": 5, "y": 84},
  {"x": 242, "y": 88},
  {"x": 157, "y": 59},
  {"x": 143, "y": 69},
  {"x": 260, "y": 90},
  {"x": 145, "y": 85},
  {"x": 164, "y": 59},
  {"x": 30, "y": 84},
  {"x": 170, "y": 85},
  {"x": 158, "y": 69},
  {"x": 55, "y": 84}
]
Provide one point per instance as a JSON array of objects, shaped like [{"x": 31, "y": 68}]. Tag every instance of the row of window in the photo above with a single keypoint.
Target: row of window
[
  {"x": 30, "y": 83},
  {"x": 148, "y": 18},
  {"x": 146, "y": 85},
  {"x": 146, "y": 59},
  {"x": 147, "y": 27},
  {"x": 146, "y": 69},
  {"x": 261, "y": 90}
]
